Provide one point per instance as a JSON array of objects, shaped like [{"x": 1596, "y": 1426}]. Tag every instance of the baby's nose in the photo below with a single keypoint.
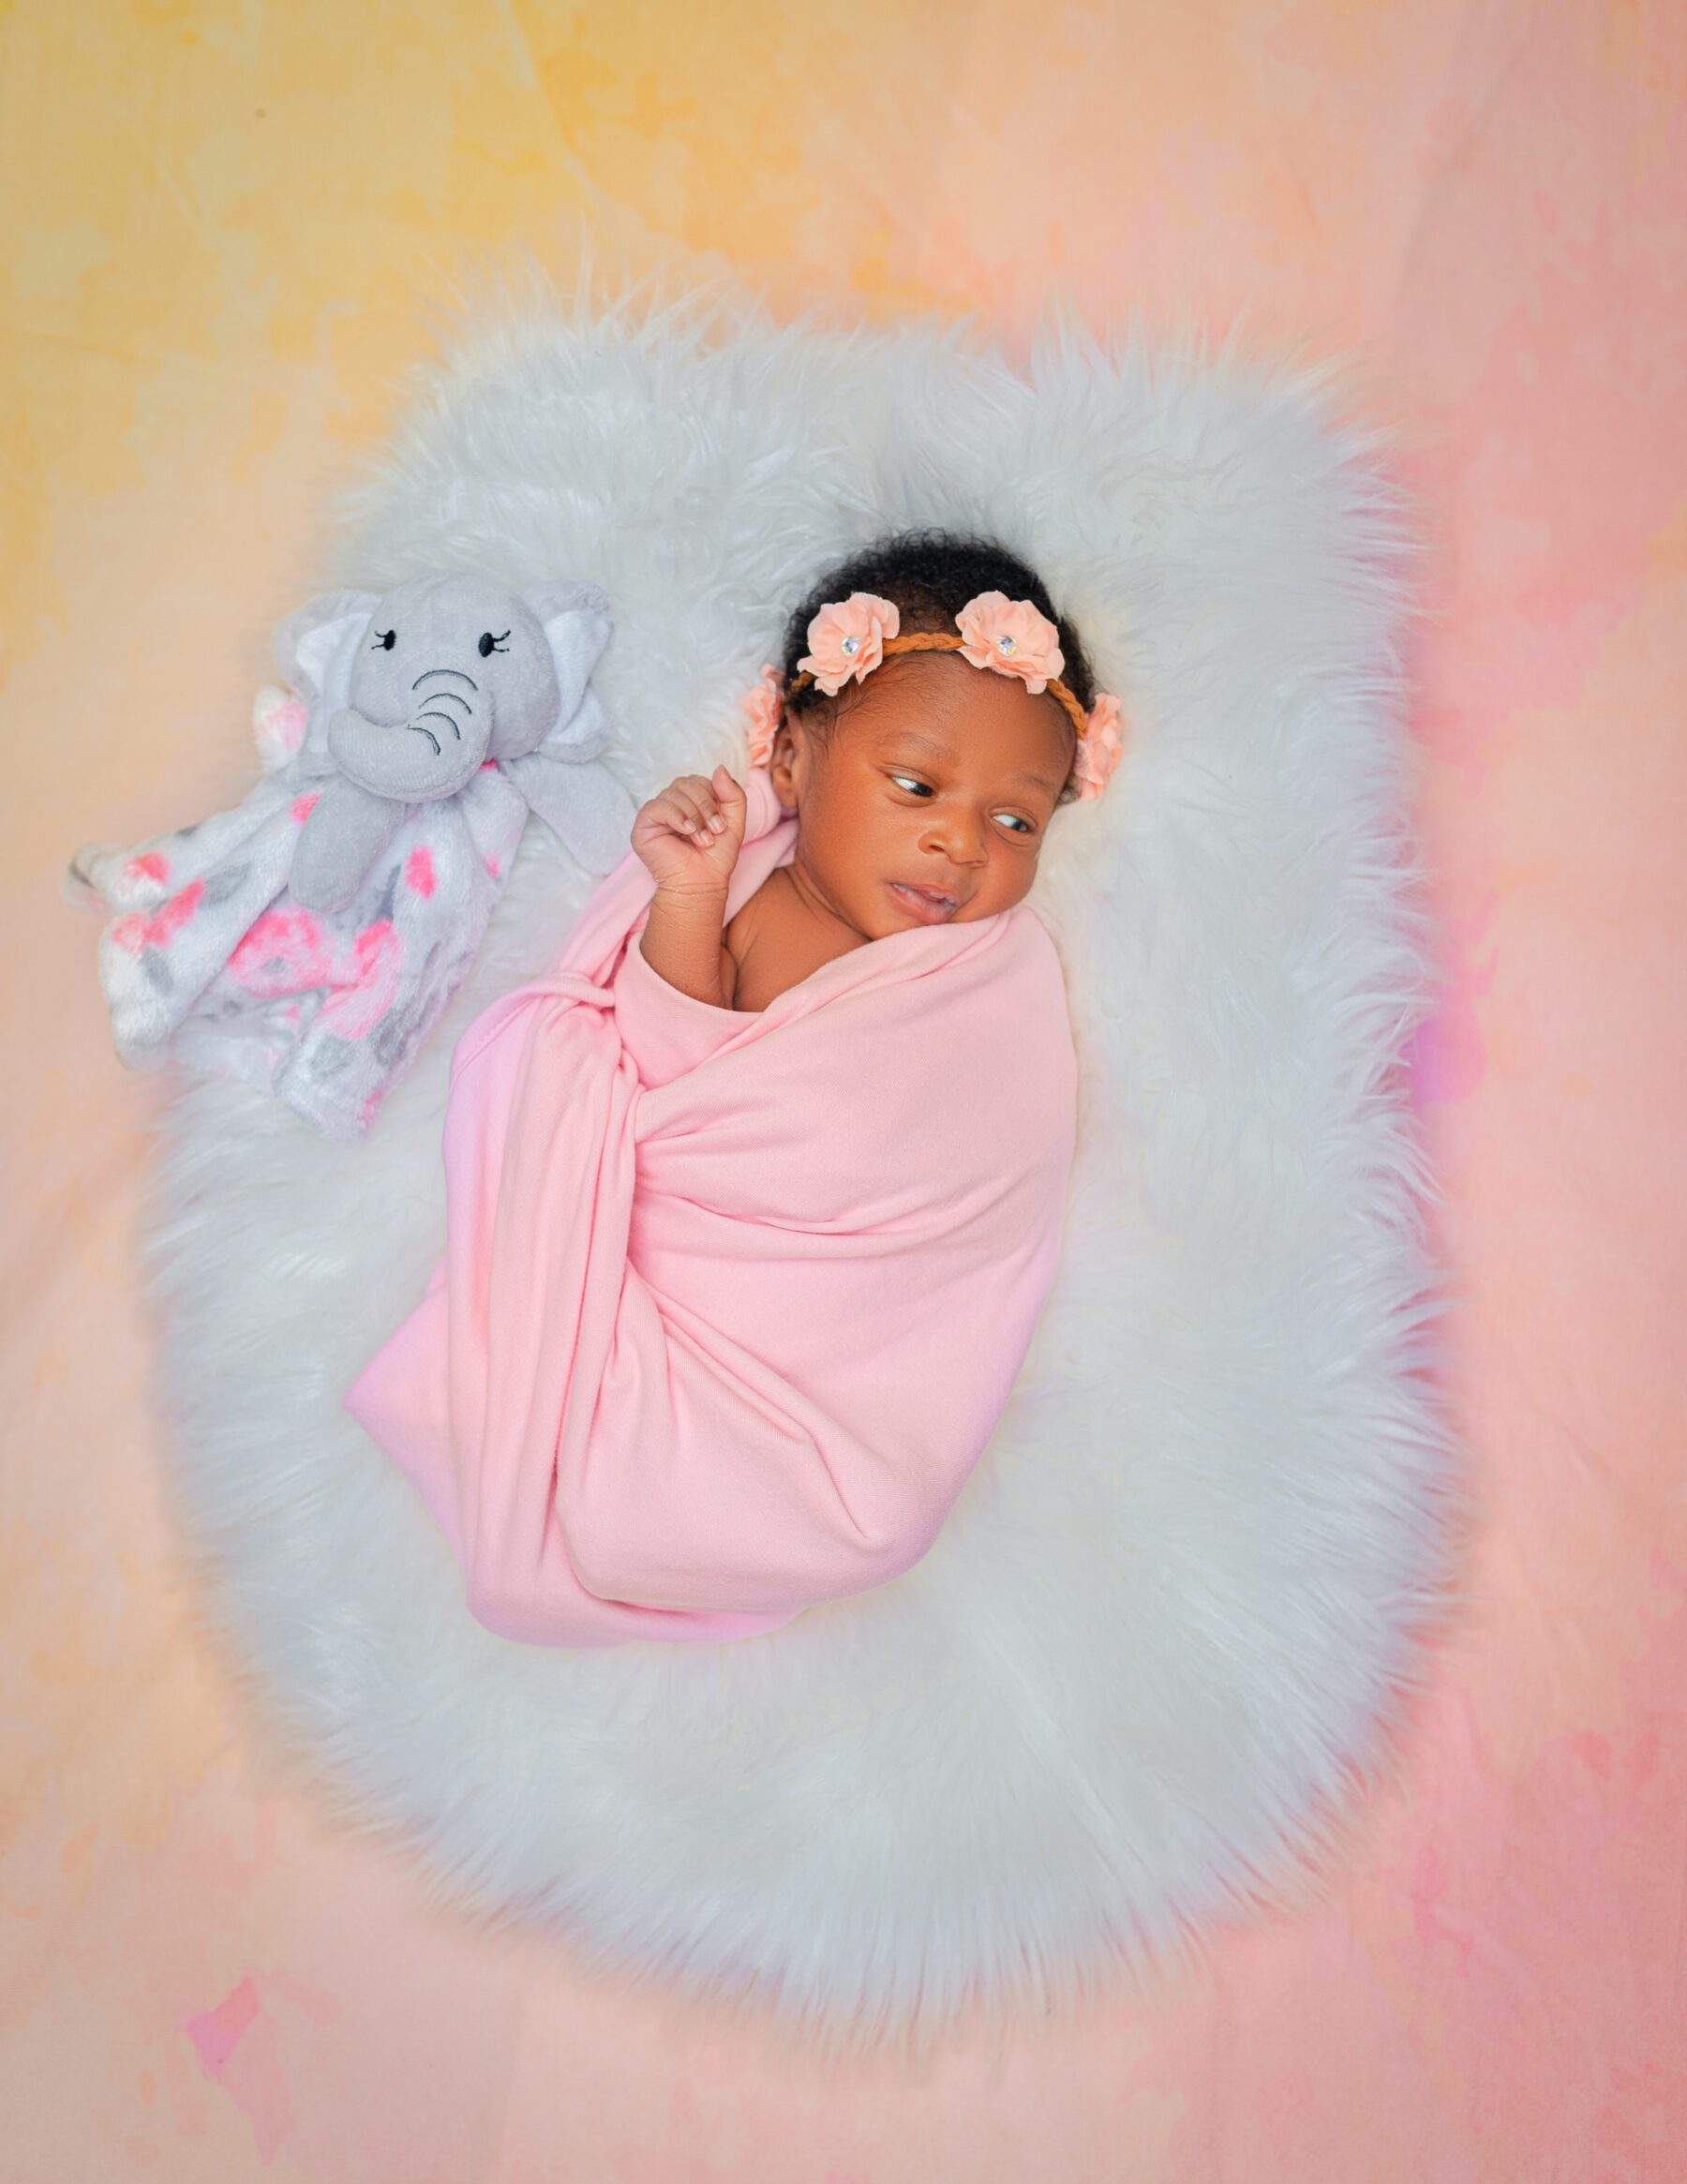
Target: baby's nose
[{"x": 962, "y": 840}]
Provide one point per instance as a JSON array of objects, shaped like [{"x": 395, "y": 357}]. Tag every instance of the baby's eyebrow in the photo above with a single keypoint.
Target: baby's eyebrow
[{"x": 930, "y": 743}]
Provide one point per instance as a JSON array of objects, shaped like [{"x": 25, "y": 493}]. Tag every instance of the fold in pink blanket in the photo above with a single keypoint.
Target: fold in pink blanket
[{"x": 731, "y": 1301}]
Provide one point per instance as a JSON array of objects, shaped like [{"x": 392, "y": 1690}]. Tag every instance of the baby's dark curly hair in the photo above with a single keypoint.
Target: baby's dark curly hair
[{"x": 929, "y": 575}]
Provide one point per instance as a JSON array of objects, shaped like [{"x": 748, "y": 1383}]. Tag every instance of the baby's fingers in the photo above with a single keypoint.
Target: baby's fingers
[
  {"x": 698, "y": 803},
  {"x": 683, "y": 811},
  {"x": 732, "y": 796}
]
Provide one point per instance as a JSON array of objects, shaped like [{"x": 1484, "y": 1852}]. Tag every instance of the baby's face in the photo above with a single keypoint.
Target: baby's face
[{"x": 939, "y": 776}]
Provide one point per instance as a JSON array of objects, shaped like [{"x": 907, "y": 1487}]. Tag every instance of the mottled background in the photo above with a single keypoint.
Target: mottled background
[{"x": 227, "y": 229}]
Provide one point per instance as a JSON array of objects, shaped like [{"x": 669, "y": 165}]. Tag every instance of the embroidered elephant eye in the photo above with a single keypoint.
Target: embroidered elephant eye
[
  {"x": 384, "y": 640},
  {"x": 490, "y": 644}
]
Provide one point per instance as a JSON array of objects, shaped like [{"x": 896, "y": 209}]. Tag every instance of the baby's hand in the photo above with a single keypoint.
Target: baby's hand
[{"x": 689, "y": 836}]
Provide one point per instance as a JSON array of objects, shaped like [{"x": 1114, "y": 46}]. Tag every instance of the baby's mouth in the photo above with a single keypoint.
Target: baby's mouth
[{"x": 934, "y": 904}]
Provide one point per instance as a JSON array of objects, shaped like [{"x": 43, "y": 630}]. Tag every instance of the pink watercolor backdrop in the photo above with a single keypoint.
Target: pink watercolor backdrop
[{"x": 224, "y": 227}]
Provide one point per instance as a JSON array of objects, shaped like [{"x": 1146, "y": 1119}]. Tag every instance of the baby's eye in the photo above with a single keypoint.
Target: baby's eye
[{"x": 1023, "y": 824}]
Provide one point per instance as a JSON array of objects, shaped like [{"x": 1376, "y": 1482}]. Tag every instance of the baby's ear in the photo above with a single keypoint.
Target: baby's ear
[
  {"x": 577, "y": 624},
  {"x": 317, "y": 644}
]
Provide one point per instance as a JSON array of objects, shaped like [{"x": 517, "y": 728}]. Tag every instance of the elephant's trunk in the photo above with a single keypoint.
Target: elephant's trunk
[{"x": 429, "y": 755}]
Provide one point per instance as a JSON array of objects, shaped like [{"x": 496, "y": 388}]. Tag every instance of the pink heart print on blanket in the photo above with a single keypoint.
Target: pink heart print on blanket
[{"x": 307, "y": 941}]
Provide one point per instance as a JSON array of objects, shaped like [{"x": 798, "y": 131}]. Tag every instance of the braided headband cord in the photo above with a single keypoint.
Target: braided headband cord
[{"x": 938, "y": 641}]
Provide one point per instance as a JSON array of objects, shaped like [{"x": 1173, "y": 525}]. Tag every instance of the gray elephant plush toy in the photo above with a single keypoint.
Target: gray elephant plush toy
[
  {"x": 307, "y": 941},
  {"x": 421, "y": 688}
]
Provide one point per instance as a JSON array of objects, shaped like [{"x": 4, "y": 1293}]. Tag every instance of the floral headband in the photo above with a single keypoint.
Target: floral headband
[{"x": 1009, "y": 636}]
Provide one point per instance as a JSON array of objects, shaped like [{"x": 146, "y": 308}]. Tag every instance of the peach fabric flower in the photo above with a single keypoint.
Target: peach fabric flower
[
  {"x": 849, "y": 639},
  {"x": 1098, "y": 748},
  {"x": 1010, "y": 635},
  {"x": 764, "y": 708}
]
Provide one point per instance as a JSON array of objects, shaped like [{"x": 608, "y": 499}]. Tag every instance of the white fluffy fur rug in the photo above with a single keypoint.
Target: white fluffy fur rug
[{"x": 1172, "y": 1624}]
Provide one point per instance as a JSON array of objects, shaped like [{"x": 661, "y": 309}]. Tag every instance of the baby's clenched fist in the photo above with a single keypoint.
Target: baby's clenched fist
[{"x": 689, "y": 836}]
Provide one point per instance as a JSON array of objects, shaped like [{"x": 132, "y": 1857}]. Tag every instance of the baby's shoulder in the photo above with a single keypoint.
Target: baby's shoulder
[
  {"x": 772, "y": 946},
  {"x": 740, "y": 925},
  {"x": 1027, "y": 941},
  {"x": 736, "y": 942},
  {"x": 1033, "y": 971}
]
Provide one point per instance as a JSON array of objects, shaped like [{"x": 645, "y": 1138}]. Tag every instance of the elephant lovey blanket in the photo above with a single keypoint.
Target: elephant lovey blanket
[
  {"x": 307, "y": 941},
  {"x": 730, "y": 1302}
]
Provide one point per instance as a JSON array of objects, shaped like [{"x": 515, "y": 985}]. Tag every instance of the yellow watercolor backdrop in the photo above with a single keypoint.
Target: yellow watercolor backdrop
[{"x": 227, "y": 230}]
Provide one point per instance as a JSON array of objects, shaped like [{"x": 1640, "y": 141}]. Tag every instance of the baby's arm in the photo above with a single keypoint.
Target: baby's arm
[
  {"x": 685, "y": 943},
  {"x": 689, "y": 836}
]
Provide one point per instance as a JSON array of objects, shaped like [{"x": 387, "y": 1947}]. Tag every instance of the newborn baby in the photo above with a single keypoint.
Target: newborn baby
[{"x": 752, "y": 1203}]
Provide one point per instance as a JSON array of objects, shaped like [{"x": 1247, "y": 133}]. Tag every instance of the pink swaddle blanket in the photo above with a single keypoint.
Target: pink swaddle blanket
[{"x": 731, "y": 1301}]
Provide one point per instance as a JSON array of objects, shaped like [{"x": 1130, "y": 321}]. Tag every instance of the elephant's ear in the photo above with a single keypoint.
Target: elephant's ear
[
  {"x": 587, "y": 807},
  {"x": 315, "y": 650},
  {"x": 577, "y": 624}
]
